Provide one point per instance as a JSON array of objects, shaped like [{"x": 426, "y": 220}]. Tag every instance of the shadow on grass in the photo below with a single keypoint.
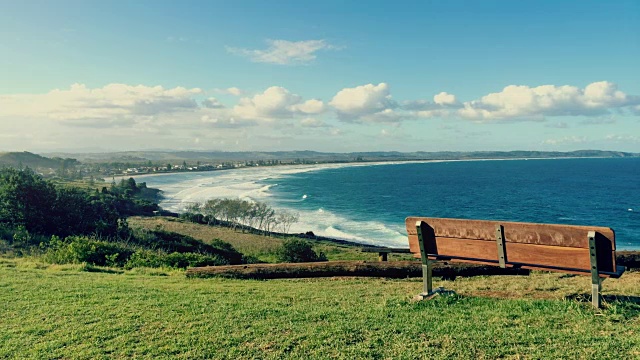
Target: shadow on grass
[
  {"x": 625, "y": 305},
  {"x": 97, "y": 269}
]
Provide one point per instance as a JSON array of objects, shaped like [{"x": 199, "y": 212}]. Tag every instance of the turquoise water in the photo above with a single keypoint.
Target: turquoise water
[{"x": 369, "y": 203}]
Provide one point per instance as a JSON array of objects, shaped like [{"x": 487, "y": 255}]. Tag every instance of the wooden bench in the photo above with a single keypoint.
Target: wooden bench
[
  {"x": 584, "y": 250},
  {"x": 383, "y": 252}
]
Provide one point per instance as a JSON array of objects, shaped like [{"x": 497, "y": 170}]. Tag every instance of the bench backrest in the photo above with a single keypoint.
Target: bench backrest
[{"x": 551, "y": 247}]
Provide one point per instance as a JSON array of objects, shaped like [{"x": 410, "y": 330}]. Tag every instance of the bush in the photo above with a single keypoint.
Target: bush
[
  {"x": 193, "y": 217},
  {"x": 172, "y": 242},
  {"x": 147, "y": 258},
  {"x": 18, "y": 240},
  {"x": 6, "y": 233},
  {"x": 296, "y": 250},
  {"x": 77, "y": 249},
  {"x": 249, "y": 259}
]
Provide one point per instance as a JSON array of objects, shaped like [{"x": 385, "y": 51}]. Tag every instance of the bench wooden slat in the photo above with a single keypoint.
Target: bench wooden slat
[
  {"x": 527, "y": 233},
  {"x": 528, "y": 256},
  {"x": 532, "y": 246}
]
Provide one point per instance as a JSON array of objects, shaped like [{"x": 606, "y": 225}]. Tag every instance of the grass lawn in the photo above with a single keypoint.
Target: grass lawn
[{"x": 64, "y": 312}]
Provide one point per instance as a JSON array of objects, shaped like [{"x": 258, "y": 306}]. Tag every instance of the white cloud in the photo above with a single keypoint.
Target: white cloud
[
  {"x": 283, "y": 52},
  {"x": 312, "y": 106},
  {"x": 442, "y": 105},
  {"x": 212, "y": 103},
  {"x": 535, "y": 103},
  {"x": 566, "y": 140},
  {"x": 145, "y": 115},
  {"x": 433, "y": 113},
  {"x": 623, "y": 138},
  {"x": 113, "y": 103},
  {"x": 360, "y": 102},
  {"x": 234, "y": 91},
  {"x": 385, "y": 116},
  {"x": 273, "y": 102},
  {"x": 230, "y": 91},
  {"x": 224, "y": 120},
  {"x": 445, "y": 99},
  {"x": 276, "y": 102}
]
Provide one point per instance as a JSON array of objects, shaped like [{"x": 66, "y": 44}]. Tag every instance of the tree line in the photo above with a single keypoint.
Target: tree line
[
  {"x": 242, "y": 214},
  {"x": 39, "y": 206}
]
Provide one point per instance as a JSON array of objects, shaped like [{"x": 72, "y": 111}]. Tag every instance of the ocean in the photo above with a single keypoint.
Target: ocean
[{"x": 368, "y": 203}]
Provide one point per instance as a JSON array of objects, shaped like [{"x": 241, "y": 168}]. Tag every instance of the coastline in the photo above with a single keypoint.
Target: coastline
[
  {"x": 248, "y": 183},
  {"x": 322, "y": 166}
]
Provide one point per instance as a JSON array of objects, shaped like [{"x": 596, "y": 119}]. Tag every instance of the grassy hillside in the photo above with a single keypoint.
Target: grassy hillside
[
  {"x": 52, "y": 313},
  {"x": 34, "y": 161},
  {"x": 262, "y": 247}
]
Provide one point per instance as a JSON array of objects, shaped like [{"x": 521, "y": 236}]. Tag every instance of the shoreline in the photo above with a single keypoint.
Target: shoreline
[{"x": 322, "y": 166}]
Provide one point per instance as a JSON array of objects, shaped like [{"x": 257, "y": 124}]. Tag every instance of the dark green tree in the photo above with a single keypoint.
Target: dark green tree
[
  {"x": 296, "y": 250},
  {"x": 26, "y": 200}
]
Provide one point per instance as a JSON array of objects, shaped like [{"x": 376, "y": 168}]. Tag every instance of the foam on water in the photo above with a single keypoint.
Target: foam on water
[{"x": 326, "y": 223}]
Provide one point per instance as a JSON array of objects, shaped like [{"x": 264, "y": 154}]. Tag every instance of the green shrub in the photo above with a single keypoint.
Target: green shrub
[
  {"x": 155, "y": 259},
  {"x": 18, "y": 240},
  {"x": 250, "y": 259},
  {"x": 193, "y": 217},
  {"x": 172, "y": 242},
  {"x": 144, "y": 258},
  {"x": 184, "y": 260},
  {"x": 78, "y": 249},
  {"x": 296, "y": 250},
  {"x": 6, "y": 233}
]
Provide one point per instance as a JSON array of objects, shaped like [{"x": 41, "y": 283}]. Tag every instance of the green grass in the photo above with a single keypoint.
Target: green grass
[{"x": 66, "y": 312}]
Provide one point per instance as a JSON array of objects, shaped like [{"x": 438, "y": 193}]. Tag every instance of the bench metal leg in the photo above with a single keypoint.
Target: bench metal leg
[
  {"x": 427, "y": 277},
  {"x": 595, "y": 295},
  {"x": 502, "y": 250},
  {"x": 427, "y": 268},
  {"x": 595, "y": 275}
]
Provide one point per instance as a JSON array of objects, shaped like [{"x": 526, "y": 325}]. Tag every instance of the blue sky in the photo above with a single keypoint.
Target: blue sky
[{"x": 328, "y": 76}]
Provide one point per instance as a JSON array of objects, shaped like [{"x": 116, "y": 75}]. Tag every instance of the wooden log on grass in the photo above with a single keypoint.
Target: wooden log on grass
[
  {"x": 390, "y": 269},
  {"x": 628, "y": 259}
]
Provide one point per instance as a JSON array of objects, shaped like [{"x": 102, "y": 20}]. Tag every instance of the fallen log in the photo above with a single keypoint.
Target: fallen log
[
  {"x": 629, "y": 259},
  {"x": 387, "y": 269}
]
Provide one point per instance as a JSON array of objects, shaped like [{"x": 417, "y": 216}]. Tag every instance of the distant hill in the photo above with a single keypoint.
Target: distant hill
[
  {"x": 34, "y": 161},
  {"x": 206, "y": 156}
]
